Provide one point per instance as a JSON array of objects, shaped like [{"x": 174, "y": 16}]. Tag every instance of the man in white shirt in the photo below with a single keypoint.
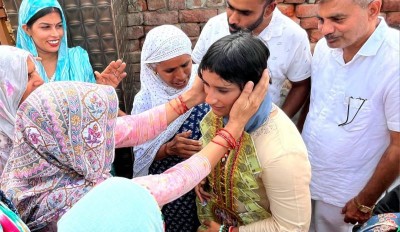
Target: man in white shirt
[
  {"x": 352, "y": 128},
  {"x": 287, "y": 41}
]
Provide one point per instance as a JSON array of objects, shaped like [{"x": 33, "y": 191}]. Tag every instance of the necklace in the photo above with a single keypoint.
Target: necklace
[{"x": 223, "y": 173}]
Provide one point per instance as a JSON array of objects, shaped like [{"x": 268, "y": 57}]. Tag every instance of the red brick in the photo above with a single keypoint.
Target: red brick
[
  {"x": 195, "y": 4},
  {"x": 216, "y": 3},
  {"x": 286, "y": 9},
  {"x": 221, "y": 10},
  {"x": 176, "y": 4},
  {"x": 137, "y": 6},
  {"x": 314, "y": 35},
  {"x": 133, "y": 57},
  {"x": 135, "y": 19},
  {"x": 191, "y": 29},
  {"x": 393, "y": 19},
  {"x": 294, "y": 1},
  {"x": 390, "y": 5},
  {"x": 309, "y": 23},
  {"x": 306, "y": 10},
  {"x": 196, "y": 16},
  {"x": 142, "y": 41},
  {"x": 135, "y": 32},
  {"x": 156, "y": 4},
  {"x": 295, "y": 19},
  {"x": 148, "y": 28},
  {"x": 133, "y": 45},
  {"x": 193, "y": 40},
  {"x": 160, "y": 18}
]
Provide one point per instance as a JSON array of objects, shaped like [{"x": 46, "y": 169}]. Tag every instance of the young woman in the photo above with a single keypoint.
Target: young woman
[
  {"x": 18, "y": 78},
  {"x": 263, "y": 184},
  {"x": 42, "y": 30},
  {"x": 166, "y": 72},
  {"x": 66, "y": 133}
]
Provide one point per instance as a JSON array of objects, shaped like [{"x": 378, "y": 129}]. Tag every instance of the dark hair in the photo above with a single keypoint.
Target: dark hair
[
  {"x": 236, "y": 58},
  {"x": 41, "y": 13}
]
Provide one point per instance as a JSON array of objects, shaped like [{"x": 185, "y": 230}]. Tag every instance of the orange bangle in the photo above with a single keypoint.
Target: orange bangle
[
  {"x": 230, "y": 140},
  {"x": 229, "y": 133}
]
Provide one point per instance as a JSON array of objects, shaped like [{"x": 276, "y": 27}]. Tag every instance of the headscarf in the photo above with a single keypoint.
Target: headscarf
[
  {"x": 73, "y": 63},
  {"x": 117, "y": 205},
  {"x": 13, "y": 82},
  {"x": 64, "y": 145},
  {"x": 162, "y": 43}
]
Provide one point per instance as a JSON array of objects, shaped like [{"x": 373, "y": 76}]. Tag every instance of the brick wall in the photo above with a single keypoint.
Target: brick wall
[
  {"x": 5, "y": 37},
  {"x": 191, "y": 15}
]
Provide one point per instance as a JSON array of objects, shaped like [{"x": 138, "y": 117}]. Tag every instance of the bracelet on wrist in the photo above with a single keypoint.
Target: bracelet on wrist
[
  {"x": 183, "y": 104},
  {"x": 176, "y": 110},
  {"x": 228, "y": 138},
  {"x": 222, "y": 145}
]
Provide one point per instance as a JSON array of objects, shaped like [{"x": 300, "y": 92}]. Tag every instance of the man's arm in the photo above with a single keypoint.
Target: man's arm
[
  {"x": 386, "y": 172},
  {"x": 296, "y": 97},
  {"x": 303, "y": 115}
]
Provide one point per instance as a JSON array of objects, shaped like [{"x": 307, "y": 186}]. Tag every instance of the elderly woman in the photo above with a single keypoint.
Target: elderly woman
[
  {"x": 18, "y": 78},
  {"x": 166, "y": 72}
]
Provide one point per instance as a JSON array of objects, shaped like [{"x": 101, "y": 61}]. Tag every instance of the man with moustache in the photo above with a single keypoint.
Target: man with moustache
[
  {"x": 287, "y": 41},
  {"x": 352, "y": 128}
]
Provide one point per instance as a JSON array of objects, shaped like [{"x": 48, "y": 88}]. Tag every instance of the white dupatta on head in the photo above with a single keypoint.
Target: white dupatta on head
[
  {"x": 162, "y": 43},
  {"x": 13, "y": 82}
]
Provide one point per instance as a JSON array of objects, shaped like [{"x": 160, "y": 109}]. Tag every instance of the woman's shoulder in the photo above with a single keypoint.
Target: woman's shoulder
[
  {"x": 278, "y": 137},
  {"x": 78, "y": 51}
]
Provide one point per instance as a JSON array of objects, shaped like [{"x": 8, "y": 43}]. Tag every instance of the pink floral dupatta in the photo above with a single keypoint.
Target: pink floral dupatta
[{"x": 61, "y": 152}]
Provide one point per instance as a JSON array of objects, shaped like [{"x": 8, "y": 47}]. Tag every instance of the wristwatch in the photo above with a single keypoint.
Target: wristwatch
[{"x": 363, "y": 208}]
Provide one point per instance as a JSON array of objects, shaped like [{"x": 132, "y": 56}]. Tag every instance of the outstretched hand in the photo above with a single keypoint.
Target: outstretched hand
[
  {"x": 198, "y": 89},
  {"x": 249, "y": 100},
  {"x": 182, "y": 146},
  {"x": 201, "y": 193},
  {"x": 112, "y": 75}
]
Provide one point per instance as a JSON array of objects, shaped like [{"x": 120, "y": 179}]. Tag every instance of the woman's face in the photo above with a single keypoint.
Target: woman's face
[
  {"x": 47, "y": 33},
  {"x": 34, "y": 80},
  {"x": 176, "y": 71},
  {"x": 220, "y": 94}
]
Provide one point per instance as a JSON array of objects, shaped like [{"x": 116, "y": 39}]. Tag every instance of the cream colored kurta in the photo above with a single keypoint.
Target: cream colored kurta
[{"x": 285, "y": 177}]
